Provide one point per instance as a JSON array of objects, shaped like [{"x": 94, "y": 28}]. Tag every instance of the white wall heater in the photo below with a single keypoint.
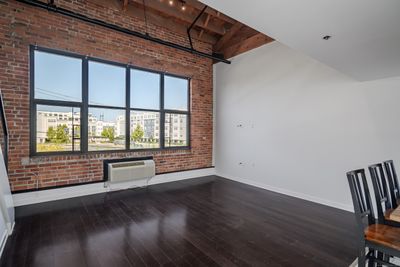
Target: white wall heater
[{"x": 131, "y": 170}]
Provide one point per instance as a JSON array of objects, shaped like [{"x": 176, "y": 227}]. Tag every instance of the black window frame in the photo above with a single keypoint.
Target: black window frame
[
  {"x": 86, "y": 133},
  {"x": 173, "y": 111},
  {"x": 84, "y": 105}
]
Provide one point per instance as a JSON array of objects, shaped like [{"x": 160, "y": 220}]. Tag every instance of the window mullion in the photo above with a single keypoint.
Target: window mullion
[
  {"x": 33, "y": 124},
  {"x": 188, "y": 116},
  {"x": 85, "y": 105},
  {"x": 128, "y": 111},
  {"x": 162, "y": 113}
]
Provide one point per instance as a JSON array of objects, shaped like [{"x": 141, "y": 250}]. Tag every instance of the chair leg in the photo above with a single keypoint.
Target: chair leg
[
  {"x": 361, "y": 257},
  {"x": 373, "y": 253},
  {"x": 386, "y": 257},
  {"x": 379, "y": 257}
]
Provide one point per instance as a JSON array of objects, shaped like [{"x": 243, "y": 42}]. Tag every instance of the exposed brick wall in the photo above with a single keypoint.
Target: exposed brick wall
[{"x": 22, "y": 25}]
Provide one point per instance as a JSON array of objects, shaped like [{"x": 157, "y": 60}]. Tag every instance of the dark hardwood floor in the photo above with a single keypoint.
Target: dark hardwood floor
[{"x": 207, "y": 221}]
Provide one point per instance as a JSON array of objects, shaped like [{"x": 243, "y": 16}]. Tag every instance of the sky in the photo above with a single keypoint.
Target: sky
[{"x": 59, "y": 78}]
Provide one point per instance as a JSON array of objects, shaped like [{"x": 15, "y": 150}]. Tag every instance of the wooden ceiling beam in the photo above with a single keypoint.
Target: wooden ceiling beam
[
  {"x": 171, "y": 11},
  {"x": 205, "y": 24},
  {"x": 137, "y": 11},
  {"x": 201, "y": 33},
  {"x": 125, "y": 4},
  {"x": 227, "y": 36},
  {"x": 250, "y": 43},
  {"x": 199, "y": 6}
]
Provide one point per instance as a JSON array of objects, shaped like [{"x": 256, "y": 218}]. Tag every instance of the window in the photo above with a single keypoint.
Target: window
[
  {"x": 106, "y": 127},
  {"x": 176, "y": 102},
  {"x": 175, "y": 130},
  {"x": 145, "y": 90},
  {"x": 176, "y": 93},
  {"x": 145, "y": 129},
  {"x": 57, "y": 77},
  {"x": 81, "y": 104},
  {"x": 55, "y": 132},
  {"x": 57, "y": 91},
  {"x": 106, "y": 85},
  {"x": 145, "y": 109}
]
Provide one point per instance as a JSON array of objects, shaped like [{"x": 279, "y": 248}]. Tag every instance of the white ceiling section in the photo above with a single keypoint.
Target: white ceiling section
[{"x": 365, "y": 41}]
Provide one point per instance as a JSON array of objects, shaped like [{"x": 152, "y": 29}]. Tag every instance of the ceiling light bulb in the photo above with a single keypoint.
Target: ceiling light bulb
[
  {"x": 183, "y": 7},
  {"x": 171, "y": 2}
]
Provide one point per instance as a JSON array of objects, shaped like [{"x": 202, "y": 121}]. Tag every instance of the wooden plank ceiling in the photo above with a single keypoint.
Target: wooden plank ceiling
[{"x": 228, "y": 36}]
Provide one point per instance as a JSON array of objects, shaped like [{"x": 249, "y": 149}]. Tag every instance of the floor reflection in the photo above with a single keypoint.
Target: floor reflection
[{"x": 200, "y": 222}]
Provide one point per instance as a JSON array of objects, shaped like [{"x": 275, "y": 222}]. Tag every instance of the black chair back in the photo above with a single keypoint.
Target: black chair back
[
  {"x": 361, "y": 199},
  {"x": 382, "y": 196},
  {"x": 392, "y": 181}
]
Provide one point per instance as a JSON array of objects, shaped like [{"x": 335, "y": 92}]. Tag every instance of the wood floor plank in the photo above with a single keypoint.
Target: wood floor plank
[{"x": 207, "y": 221}]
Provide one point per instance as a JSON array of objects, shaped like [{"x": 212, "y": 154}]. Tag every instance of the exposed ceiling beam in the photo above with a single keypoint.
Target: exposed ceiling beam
[
  {"x": 205, "y": 24},
  {"x": 227, "y": 36},
  {"x": 137, "y": 11},
  {"x": 177, "y": 14},
  {"x": 250, "y": 43},
  {"x": 125, "y": 5},
  {"x": 198, "y": 5},
  {"x": 121, "y": 30}
]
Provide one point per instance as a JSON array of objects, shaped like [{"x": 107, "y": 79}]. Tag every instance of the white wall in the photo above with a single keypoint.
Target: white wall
[
  {"x": 6, "y": 205},
  {"x": 3, "y": 233},
  {"x": 303, "y": 124},
  {"x": 6, "y": 200}
]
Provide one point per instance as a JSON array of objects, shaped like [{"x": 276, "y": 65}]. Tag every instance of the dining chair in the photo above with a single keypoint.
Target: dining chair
[
  {"x": 383, "y": 198},
  {"x": 393, "y": 181},
  {"x": 379, "y": 239}
]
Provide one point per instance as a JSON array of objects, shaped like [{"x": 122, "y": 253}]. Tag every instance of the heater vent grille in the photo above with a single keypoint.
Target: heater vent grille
[{"x": 131, "y": 170}]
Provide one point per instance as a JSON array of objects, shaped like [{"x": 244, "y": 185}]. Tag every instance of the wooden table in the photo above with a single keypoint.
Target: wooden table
[{"x": 395, "y": 214}]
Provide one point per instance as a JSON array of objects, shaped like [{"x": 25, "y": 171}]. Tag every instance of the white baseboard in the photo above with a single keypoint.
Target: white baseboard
[
  {"x": 3, "y": 241},
  {"x": 354, "y": 263},
  {"x": 290, "y": 193},
  {"x": 21, "y": 199},
  {"x": 7, "y": 232},
  {"x": 10, "y": 227}
]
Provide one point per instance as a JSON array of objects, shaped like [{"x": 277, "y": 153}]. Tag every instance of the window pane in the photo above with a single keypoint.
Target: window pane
[
  {"x": 145, "y": 89},
  {"x": 175, "y": 130},
  {"x": 57, "y": 77},
  {"x": 106, "y": 85},
  {"x": 176, "y": 92},
  {"x": 57, "y": 128},
  {"x": 106, "y": 128},
  {"x": 145, "y": 129}
]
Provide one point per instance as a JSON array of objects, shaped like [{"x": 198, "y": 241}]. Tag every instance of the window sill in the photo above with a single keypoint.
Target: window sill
[{"x": 57, "y": 156}]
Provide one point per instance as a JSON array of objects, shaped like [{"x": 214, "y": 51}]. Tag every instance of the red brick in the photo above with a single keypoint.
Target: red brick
[{"x": 22, "y": 25}]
